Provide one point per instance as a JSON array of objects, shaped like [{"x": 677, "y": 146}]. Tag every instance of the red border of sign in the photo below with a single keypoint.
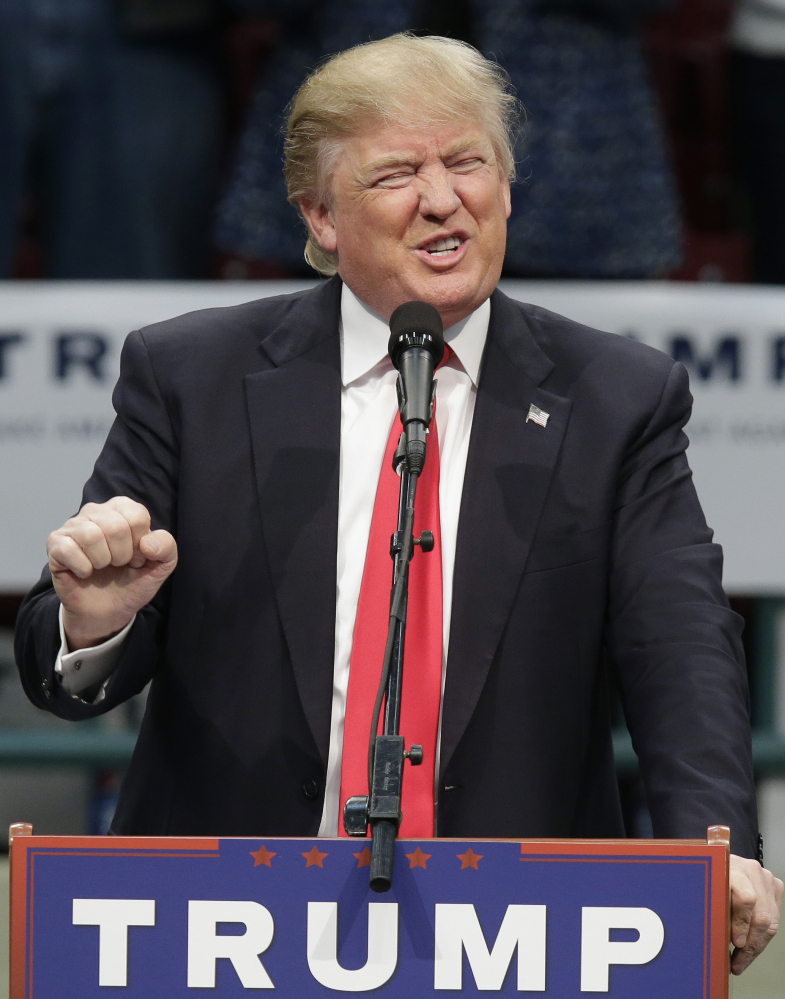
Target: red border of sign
[
  {"x": 714, "y": 856},
  {"x": 23, "y": 852}
]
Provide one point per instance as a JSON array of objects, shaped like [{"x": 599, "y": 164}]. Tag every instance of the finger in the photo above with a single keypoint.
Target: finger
[
  {"x": 91, "y": 539},
  {"x": 159, "y": 546},
  {"x": 741, "y": 959},
  {"x": 762, "y": 932},
  {"x": 743, "y": 899},
  {"x": 116, "y": 530},
  {"x": 65, "y": 555},
  {"x": 88, "y": 536},
  {"x": 137, "y": 516}
]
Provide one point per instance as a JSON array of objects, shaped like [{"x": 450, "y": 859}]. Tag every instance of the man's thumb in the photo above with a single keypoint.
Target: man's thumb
[{"x": 159, "y": 546}]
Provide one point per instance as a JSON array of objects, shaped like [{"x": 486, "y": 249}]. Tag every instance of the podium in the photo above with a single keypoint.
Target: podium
[{"x": 172, "y": 917}]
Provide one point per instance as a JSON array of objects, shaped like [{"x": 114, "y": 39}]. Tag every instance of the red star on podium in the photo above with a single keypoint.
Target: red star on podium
[
  {"x": 418, "y": 859},
  {"x": 469, "y": 859},
  {"x": 364, "y": 858},
  {"x": 263, "y": 856},
  {"x": 314, "y": 858}
]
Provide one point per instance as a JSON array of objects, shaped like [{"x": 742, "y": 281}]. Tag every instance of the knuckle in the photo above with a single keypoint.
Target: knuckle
[
  {"x": 741, "y": 929},
  {"x": 135, "y": 514},
  {"x": 68, "y": 553},
  {"x": 66, "y": 544},
  {"x": 91, "y": 533},
  {"x": 126, "y": 504},
  {"x": 116, "y": 529},
  {"x": 745, "y": 894},
  {"x": 139, "y": 521}
]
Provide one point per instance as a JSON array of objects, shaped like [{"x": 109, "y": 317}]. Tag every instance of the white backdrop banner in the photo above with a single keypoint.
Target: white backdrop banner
[{"x": 59, "y": 353}]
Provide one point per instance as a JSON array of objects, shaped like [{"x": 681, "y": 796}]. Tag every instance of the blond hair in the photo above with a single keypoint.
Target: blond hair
[{"x": 438, "y": 80}]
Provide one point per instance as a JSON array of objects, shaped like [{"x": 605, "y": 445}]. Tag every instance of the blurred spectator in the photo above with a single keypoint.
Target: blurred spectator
[
  {"x": 595, "y": 197},
  {"x": 111, "y": 115},
  {"x": 688, "y": 55},
  {"x": 758, "y": 36}
]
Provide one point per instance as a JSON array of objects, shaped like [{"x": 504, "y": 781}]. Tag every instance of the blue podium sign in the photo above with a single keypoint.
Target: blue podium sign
[{"x": 171, "y": 917}]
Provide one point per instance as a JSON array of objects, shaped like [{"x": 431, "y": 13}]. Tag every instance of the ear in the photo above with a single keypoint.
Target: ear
[
  {"x": 506, "y": 196},
  {"x": 320, "y": 222}
]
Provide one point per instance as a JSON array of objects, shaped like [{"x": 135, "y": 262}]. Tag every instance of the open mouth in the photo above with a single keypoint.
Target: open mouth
[{"x": 443, "y": 247}]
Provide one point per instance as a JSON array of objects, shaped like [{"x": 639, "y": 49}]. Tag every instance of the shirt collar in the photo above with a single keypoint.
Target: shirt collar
[{"x": 365, "y": 334}]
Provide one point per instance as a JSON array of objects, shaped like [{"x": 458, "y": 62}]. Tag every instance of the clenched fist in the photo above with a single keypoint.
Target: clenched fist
[{"x": 106, "y": 565}]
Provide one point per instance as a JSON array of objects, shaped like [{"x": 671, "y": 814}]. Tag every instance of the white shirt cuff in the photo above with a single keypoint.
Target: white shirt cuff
[{"x": 87, "y": 667}]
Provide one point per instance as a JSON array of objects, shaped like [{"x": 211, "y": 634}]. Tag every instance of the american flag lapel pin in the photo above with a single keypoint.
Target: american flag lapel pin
[{"x": 538, "y": 415}]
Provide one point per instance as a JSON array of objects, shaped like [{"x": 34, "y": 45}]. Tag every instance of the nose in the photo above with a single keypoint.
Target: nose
[{"x": 438, "y": 198}]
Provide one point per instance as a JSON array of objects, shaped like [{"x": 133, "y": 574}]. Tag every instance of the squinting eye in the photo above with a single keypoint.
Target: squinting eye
[{"x": 394, "y": 178}]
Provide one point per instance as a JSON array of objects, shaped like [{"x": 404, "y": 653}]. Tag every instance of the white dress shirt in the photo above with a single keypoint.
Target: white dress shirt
[{"x": 368, "y": 408}]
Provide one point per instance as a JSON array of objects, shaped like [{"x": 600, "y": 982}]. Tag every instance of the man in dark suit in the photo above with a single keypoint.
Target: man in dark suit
[{"x": 575, "y": 527}]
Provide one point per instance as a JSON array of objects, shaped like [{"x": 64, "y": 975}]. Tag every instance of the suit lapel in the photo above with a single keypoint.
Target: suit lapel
[
  {"x": 294, "y": 411},
  {"x": 508, "y": 474}
]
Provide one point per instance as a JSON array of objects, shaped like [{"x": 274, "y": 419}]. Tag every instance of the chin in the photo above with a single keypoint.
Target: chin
[{"x": 451, "y": 296}]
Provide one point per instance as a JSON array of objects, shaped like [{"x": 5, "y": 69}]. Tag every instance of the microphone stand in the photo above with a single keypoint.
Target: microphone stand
[{"x": 386, "y": 752}]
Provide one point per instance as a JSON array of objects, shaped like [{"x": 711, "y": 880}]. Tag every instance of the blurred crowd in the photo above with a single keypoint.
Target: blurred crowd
[{"x": 143, "y": 138}]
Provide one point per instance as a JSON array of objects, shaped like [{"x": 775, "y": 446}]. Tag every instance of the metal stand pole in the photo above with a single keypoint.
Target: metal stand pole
[{"x": 382, "y": 808}]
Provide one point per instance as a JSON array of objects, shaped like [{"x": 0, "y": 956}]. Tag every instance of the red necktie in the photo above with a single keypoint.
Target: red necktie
[{"x": 422, "y": 664}]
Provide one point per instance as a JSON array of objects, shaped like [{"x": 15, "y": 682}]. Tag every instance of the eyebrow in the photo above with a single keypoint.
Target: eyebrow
[
  {"x": 393, "y": 160},
  {"x": 409, "y": 159},
  {"x": 464, "y": 145}
]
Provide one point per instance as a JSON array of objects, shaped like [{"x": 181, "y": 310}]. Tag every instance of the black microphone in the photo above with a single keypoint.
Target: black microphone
[{"x": 416, "y": 347}]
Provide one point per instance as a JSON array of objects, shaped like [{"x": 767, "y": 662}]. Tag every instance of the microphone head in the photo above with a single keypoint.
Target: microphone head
[{"x": 416, "y": 324}]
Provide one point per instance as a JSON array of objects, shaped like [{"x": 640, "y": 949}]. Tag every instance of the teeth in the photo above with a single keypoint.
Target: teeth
[{"x": 441, "y": 247}]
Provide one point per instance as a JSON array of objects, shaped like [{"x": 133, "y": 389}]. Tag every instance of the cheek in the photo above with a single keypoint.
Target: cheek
[
  {"x": 386, "y": 215},
  {"x": 355, "y": 223},
  {"x": 492, "y": 215},
  {"x": 484, "y": 200}
]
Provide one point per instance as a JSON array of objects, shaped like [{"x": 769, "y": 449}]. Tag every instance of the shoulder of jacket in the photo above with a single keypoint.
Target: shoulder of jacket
[
  {"x": 575, "y": 348},
  {"x": 217, "y": 330}
]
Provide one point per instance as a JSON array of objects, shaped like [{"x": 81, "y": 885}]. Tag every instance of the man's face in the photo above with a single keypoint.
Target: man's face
[{"x": 417, "y": 213}]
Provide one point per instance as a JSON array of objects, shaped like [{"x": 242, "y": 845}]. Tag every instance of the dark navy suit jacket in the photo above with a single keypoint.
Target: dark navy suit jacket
[{"x": 582, "y": 549}]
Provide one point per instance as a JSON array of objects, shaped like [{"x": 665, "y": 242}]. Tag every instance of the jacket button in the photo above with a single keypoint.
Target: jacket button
[
  {"x": 310, "y": 789},
  {"x": 47, "y": 688}
]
